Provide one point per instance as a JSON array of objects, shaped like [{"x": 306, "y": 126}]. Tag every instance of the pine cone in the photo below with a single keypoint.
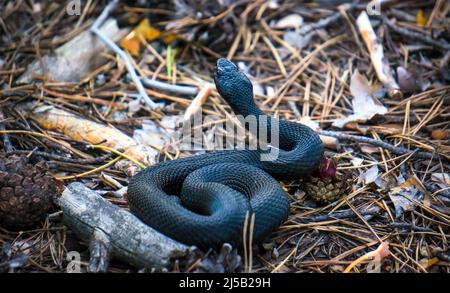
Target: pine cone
[
  {"x": 326, "y": 186},
  {"x": 328, "y": 189},
  {"x": 26, "y": 191}
]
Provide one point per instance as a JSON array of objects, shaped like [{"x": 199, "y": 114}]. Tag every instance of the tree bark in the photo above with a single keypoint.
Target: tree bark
[{"x": 127, "y": 238}]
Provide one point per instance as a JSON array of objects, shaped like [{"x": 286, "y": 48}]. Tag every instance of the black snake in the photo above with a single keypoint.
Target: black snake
[{"x": 202, "y": 200}]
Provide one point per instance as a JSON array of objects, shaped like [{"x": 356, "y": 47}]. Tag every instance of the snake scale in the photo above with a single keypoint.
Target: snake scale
[{"x": 202, "y": 200}]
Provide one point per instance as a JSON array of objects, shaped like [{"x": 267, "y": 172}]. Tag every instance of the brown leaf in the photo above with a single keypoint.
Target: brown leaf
[
  {"x": 404, "y": 196},
  {"x": 408, "y": 80},
  {"x": 439, "y": 134},
  {"x": 420, "y": 18}
]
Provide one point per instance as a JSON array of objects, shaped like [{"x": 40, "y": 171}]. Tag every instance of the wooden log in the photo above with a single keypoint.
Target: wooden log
[{"x": 120, "y": 233}]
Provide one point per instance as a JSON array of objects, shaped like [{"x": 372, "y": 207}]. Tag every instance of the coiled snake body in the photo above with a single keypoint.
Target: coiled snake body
[{"x": 202, "y": 200}]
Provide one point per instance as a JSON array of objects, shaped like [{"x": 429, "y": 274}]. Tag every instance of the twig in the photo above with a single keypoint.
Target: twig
[
  {"x": 396, "y": 150},
  {"x": 13, "y": 93},
  {"x": 410, "y": 227},
  {"x": 95, "y": 170},
  {"x": 121, "y": 53},
  {"x": 120, "y": 154},
  {"x": 415, "y": 35},
  {"x": 325, "y": 21},
  {"x": 174, "y": 88},
  {"x": 197, "y": 102},
  {"x": 398, "y": 13},
  {"x": 342, "y": 215}
]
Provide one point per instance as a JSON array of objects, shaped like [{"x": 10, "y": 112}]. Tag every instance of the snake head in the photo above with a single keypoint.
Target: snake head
[
  {"x": 232, "y": 84},
  {"x": 225, "y": 66}
]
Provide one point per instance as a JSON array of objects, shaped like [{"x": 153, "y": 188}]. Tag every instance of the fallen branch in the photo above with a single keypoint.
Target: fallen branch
[
  {"x": 96, "y": 30},
  {"x": 174, "y": 88},
  {"x": 346, "y": 214},
  {"x": 394, "y": 149},
  {"x": 329, "y": 142},
  {"x": 79, "y": 129},
  {"x": 410, "y": 227},
  {"x": 415, "y": 35},
  {"x": 324, "y": 22},
  {"x": 116, "y": 232},
  {"x": 379, "y": 61}
]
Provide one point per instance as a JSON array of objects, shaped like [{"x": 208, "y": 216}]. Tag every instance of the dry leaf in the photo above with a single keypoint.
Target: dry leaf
[
  {"x": 441, "y": 179},
  {"x": 273, "y": 4},
  {"x": 357, "y": 161},
  {"x": 290, "y": 21},
  {"x": 131, "y": 44},
  {"x": 439, "y": 134},
  {"x": 370, "y": 175},
  {"x": 170, "y": 38},
  {"x": 134, "y": 106},
  {"x": 154, "y": 134},
  {"x": 407, "y": 80},
  {"x": 375, "y": 256},
  {"x": 355, "y": 126},
  {"x": 426, "y": 263},
  {"x": 148, "y": 32},
  {"x": 368, "y": 148},
  {"x": 297, "y": 40},
  {"x": 404, "y": 196},
  {"x": 270, "y": 91},
  {"x": 420, "y": 18},
  {"x": 306, "y": 120},
  {"x": 364, "y": 105}
]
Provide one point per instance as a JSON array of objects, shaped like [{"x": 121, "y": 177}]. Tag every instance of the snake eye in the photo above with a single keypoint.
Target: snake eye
[{"x": 219, "y": 70}]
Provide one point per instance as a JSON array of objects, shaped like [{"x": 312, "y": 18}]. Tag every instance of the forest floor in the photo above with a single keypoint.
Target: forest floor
[{"x": 380, "y": 102}]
